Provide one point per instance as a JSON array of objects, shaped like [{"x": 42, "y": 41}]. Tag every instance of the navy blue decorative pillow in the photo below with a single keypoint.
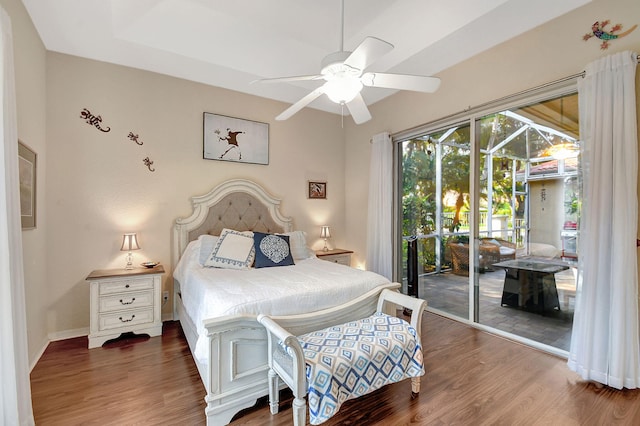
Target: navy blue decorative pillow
[{"x": 272, "y": 250}]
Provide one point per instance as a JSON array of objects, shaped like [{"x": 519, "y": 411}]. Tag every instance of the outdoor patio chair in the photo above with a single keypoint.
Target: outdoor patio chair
[
  {"x": 459, "y": 258},
  {"x": 507, "y": 248},
  {"x": 489, "y": 254}
]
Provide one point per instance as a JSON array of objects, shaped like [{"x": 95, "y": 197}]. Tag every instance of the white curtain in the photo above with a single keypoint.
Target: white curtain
[
  {"x": 605, "y": 345},
  {"x": 379, "y": 223},
  {"x": 15, "y": 391}
]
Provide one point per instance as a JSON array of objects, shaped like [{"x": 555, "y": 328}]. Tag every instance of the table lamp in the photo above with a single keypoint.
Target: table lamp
[
  {"x": 325, "y": 233},
  {"x": 129, "y": 243}
]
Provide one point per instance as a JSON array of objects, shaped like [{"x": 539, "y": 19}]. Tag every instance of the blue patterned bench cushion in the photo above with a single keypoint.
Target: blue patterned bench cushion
[{"x": 355, "y": 358}]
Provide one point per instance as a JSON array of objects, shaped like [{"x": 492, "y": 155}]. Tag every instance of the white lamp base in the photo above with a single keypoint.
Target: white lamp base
[{"x": 129, "y": 261}]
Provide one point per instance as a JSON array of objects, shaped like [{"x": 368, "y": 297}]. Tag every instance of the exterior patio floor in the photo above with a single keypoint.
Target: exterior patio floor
[{"x": 450, "y": 293}]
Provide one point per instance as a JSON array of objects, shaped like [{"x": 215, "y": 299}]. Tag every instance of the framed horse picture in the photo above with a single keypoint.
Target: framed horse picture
[{"x": 318, "y": 190}]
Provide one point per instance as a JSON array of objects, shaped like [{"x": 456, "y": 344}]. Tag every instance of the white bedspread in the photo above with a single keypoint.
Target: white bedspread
[{"x": 310, "y": 285}]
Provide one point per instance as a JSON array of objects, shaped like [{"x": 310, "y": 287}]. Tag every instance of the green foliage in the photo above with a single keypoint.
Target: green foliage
[
  {"x": 572, "y": 206},
  {"x": 511, "y": 142},
  {"x": 419, "y": 179},
  {"x": 418, "y": 188}
]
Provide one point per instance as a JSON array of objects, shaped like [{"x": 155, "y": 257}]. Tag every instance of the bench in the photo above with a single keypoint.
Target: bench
[{"x": 347, "y": 360}]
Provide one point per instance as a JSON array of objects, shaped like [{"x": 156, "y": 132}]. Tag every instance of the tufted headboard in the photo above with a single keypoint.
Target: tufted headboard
[{"x": 236, "y": 204}]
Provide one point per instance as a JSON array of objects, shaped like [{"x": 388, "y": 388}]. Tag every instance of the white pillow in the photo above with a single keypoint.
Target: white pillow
[
  {"x": 207, "y": 244},
  {"x": 506, "y": 251},
  {"x": 298, "y": 244},
  {"x": 234, "y": 250}
]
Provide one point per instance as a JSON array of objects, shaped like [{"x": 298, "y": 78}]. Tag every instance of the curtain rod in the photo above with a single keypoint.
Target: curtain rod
[
  {"x": 580, "y": 74},
  {"x": 533, "y": 89},
  {"x": 499, "y": 100}
]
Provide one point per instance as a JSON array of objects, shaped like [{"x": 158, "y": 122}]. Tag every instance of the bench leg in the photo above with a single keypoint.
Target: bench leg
[
  {"x": 415, "y": 385},
  {"x": 299, "y": 411},
  {"x": 273, "y": 391}
]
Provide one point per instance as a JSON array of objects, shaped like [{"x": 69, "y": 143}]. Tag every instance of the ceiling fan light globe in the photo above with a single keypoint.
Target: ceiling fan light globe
[{"x": 342, "y": 89}]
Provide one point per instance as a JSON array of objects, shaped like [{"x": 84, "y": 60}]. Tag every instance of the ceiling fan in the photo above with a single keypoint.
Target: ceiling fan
[{"x": 344, "y": 76}]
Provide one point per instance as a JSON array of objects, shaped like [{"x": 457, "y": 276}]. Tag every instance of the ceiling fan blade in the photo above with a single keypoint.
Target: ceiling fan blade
[
  {"x": 369, "y": 51},
  {"x": 286, "y": 79},
  {"x": 358, "y": 110},
  {"x": 414, "y": 83},
  {"x": 300, "y": 104}
]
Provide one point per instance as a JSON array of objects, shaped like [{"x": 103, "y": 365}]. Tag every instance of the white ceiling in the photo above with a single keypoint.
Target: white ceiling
[{"x": 230, "y": 43}]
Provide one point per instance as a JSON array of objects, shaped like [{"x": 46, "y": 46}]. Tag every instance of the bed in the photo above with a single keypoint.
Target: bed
[{"x": 218, "y": 307}]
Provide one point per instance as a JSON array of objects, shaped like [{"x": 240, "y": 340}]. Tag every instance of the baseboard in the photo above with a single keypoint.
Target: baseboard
[
  {"x": 34, "y": 361},
  {"x": 68, "y": 334},
  {"x": 52, "y": 337},
  {"x": 80, "y": 332}
]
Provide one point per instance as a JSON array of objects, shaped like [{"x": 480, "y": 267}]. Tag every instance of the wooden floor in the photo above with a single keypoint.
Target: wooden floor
[{"x": 472, "y": 377}]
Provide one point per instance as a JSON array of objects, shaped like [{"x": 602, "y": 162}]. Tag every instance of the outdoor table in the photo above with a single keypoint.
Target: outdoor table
[{"x": 530, "y": 284}]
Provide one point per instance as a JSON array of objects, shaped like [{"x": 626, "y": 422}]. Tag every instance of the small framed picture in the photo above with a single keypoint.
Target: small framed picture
[
  {"x": 318, "y": 190},
  {"x": 27, "y": 171}
]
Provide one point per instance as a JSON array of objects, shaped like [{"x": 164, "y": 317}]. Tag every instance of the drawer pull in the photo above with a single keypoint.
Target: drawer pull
[
  {"x": 128, "y": 320},
  {"x": 133, "y": 299},
  {"x": 126, "y": 286}
]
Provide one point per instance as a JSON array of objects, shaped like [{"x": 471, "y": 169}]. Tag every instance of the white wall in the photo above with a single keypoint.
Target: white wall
[
  {"x": 544, "y": 54},
  {"x": 98, "y": 187},
  {"x": 30, "y": 64},
  {"x": 546, "y": 208}
]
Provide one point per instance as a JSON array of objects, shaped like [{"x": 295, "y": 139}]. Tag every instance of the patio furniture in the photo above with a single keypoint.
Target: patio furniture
[
  {"x": 507, "y": 248},
  {"x": 489, "y": 254},
  {"x": 531, "y": 285},
  {"x": 459, "y": 258}
]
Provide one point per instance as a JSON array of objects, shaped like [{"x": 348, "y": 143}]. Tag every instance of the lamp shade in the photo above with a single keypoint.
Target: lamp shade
[
  {"x": 324, "y": 232},
  {"x": 130, "y": 242}
]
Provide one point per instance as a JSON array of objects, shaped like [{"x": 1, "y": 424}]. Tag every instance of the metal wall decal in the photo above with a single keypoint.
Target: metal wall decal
[
  {"x": 135, "y": 138},
  {"x": 599, "y": 30},
  {"x": 93, "y": 120},
  {"x": 147, "y": 162}
]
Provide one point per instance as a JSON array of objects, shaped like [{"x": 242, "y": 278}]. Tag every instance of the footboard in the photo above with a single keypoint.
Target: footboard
[{"x": 236, "y": 375}]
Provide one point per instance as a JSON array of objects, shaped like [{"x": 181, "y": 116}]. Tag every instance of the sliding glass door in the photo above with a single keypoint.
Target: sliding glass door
[
  {"x": 435, "y": 215},
  {"x": 497, "y": 247}
]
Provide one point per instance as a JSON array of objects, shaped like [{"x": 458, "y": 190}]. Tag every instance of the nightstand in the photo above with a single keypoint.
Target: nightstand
[
  {"x": 336, "y": 255},
  {"x": 124, "y": 300}
]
